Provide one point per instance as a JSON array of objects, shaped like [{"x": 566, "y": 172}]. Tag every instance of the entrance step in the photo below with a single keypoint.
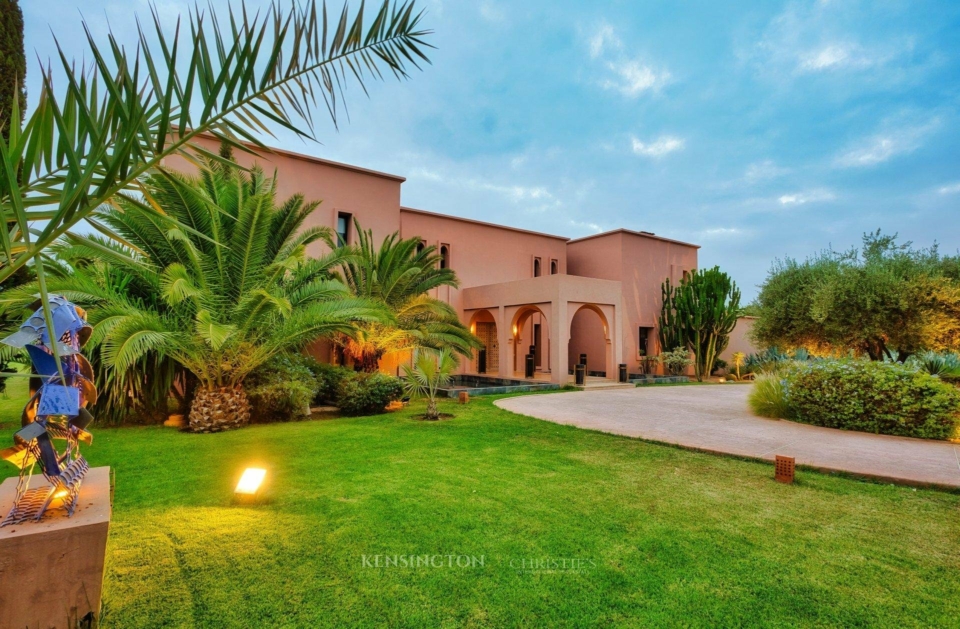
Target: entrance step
[{"x": 607, "y": 384}]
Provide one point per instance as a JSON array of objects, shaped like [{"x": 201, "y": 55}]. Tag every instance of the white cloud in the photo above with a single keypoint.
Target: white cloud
[
  {"x": 810, "y": 196},
  {"x": 632, "y": 78},
  {"x": 765, "y": 170},
  {"x": 719, "y": 232},
  {"x": 885, "y": 146},
  {"x": 602, "y": 39},
  {"x": 828, "y": 57},
  {"x": 659, "y": 147},
  {"x": 588, "y": 226},
  {"x": 628, "y": 75},
  {"x": 953, "y": 188}
]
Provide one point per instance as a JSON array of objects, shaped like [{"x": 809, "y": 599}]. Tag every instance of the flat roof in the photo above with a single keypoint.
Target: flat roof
[
  {"x": 484, "y": 223},
  {"x": 634, "y": 233},
  {"x": 315, "y": 160}
]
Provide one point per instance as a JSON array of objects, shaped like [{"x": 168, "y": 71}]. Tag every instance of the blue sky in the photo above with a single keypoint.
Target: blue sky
[{"x": 755, "y": 129}]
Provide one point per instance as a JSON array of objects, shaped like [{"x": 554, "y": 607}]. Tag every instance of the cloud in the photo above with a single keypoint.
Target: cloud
[
  {"x": 661, "y": 146},
  {"x": 719, "y": 232},
  {"x": 586, "y": 226},
  {"x": 632, "y": 78},
  {"x": 810, "y": 196},
  {"x": 953, "y": 188},
  {"x": 602, "y": 39},
  {"x": 886, "y": 145},
  {"x": 765, "y": 170}
]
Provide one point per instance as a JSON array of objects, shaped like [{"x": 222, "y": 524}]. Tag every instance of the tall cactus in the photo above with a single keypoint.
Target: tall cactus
[
  {"x": 700, "y": 314},
  {"x": 669, "y": 329}
]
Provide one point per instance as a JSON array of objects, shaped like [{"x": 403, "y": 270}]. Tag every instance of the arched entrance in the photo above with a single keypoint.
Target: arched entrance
[
  {"x": 531, "y": 335},
  {"x": 484, "y": 326},
  {"x": 590, "y": 335}
]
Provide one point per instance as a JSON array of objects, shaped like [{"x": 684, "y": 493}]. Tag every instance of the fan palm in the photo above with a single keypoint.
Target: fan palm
[
  {"x": 430, "y": 372},
  {"x": 218, "y": 300},
  {"x": 399, "y": 276}
]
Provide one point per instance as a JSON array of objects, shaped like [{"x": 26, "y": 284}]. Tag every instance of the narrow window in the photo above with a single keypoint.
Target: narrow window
[
  {"x": 444, "y": 257},
  {"x": 343, "y": 228},
  {"x": 554, "y": 267},
  {"x": 643, "y": 341},
  {"x": 420, "y": 247},
  {"x": 536, "y": 267},
  {"x": 686, "y": 275}
]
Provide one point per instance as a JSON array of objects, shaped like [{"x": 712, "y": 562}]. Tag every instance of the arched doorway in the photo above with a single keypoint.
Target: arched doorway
[
  {"x": 487, "y": 359},
  {"x": 590, "y": 335},
  {"x": 531, "y": 334}
]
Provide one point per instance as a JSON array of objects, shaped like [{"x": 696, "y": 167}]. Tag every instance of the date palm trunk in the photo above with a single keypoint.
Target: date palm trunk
[{"x": 219, "y": 409}]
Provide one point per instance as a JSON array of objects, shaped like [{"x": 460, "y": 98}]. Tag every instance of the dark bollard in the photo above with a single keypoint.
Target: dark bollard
[
  {"x": 623, "y": 372},
  {"x": 528, "y": 373},
  {"x": 580, "y": 374},
  {"x": 482, "y": 361}
]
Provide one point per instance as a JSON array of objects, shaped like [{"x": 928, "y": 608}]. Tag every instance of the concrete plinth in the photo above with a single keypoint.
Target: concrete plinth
[{"x": 51, "y": 572}]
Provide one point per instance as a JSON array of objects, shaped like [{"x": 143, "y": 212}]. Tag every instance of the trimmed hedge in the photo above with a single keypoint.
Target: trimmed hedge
[
  {"x": 281, "y": 390},
  {"x": 877, "y": 397}
]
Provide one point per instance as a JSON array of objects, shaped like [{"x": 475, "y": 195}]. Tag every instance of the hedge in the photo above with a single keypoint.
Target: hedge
[{"x": 877, "y": 397}]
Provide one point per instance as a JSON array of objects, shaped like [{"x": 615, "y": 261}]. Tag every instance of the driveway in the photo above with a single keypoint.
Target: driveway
[{"x": 717, "y": 419}]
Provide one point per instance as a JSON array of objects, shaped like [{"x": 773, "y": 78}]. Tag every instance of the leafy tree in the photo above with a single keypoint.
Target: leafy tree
[
  {"x": 699, "y": 315},
  {"x": 217, "y": 300},
  {"x": 885, "y": 301},
  {"x": 430, "y": 372},
  {"x": 399, "y": 276},
  {"x": 13, "y": 64}
]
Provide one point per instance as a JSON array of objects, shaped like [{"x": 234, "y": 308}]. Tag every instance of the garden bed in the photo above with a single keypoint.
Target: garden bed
[{"x": 489, "y": 385}]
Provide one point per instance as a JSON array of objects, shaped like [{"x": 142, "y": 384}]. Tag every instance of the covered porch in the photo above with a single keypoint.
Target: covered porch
[{"x": 555, "y": 319}]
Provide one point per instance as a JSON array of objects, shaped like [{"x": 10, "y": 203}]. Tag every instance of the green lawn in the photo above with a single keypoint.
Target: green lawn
[{"x": 661, "y": 536}]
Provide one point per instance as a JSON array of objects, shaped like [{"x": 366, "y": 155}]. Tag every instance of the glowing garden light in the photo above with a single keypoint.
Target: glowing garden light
[{"x": 250, "y": 482}]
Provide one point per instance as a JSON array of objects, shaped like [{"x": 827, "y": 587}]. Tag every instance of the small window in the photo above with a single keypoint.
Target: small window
[
  {"x": 554, "y": 267},
  {"x": 686, "y": 276},
  {"x": 444, "y": 257},
  {"x": 536, "y": 267},
  {"x": 420, "y": 247},
  {"x": 343, "y": 228},
  {"x": 644, "y": 341}
]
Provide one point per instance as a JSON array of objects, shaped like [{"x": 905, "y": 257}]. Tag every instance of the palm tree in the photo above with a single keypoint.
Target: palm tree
[
  {"x": 399, "y": 276},
  {"x": 431, "y": 371},
  {"x": 120, "y": 114},
  {"x": 217, "y": 300}
]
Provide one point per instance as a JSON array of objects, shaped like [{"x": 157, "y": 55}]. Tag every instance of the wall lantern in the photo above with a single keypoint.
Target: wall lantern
[{"x": 250, "y": 482}]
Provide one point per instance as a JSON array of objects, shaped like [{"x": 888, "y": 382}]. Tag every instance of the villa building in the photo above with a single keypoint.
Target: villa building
[{"x": 521, "y": 292}]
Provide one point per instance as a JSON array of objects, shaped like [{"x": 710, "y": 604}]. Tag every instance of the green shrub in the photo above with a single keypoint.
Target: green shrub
[
  {"x": 872, "y": 396},
  {"x": 367, "y": 393},
  {"x": 281, "y": 389},
  {"x": 768, "y": 397},
  {"x": 328, "y": 378},
  {"x": 675, "y": 362}
]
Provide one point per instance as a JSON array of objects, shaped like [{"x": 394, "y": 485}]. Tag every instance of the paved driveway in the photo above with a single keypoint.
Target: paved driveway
[{"x": 716, "y": 418}]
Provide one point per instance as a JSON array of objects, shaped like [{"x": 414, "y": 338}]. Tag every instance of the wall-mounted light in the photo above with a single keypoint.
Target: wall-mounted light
[
  {"x": 250, "y": 482},
  {"x": 514, "y": 330}
]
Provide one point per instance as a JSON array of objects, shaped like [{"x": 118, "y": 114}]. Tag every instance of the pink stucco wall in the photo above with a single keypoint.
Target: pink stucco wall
[
  {"x": 740, "y": 340},
  {"x": 640, "y": 262},
  {"x": 483, "y": 253},
  {"x": 372, "y": 197}
]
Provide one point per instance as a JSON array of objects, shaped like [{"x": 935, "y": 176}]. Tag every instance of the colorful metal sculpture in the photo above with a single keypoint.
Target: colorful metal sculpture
[{"x": 57, "y": 411}]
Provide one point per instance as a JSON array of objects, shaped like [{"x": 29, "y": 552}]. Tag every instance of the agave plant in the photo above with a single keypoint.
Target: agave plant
[
  {"x": 431, "y": 371},
  {"x": 946, "y": 364},
  {"x": 399, "y": 276},
  {"x": 218, "y": 300}
]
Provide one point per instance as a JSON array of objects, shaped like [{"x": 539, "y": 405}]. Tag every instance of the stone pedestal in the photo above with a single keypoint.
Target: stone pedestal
[{"x": 51, "y": 572}]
